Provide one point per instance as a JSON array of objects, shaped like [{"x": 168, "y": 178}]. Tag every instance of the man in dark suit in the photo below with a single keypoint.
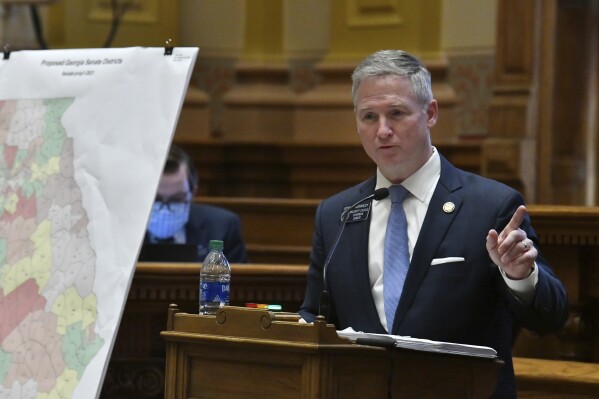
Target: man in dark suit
[
  {"x": 472, "y": 270},
  {"x": 175, "y": 219}
]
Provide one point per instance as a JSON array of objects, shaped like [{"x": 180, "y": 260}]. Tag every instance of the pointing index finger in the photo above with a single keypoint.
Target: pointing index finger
[
  {"x": 517, "y": 218},
  {"x": 514, "y": 223}
]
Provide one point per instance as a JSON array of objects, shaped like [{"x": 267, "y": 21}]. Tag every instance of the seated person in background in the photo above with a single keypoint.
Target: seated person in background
[{"x": 175, "y": 219}]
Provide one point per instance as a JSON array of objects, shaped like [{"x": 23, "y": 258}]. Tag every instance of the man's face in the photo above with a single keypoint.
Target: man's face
[
  {"x": 174, "y": 187},
  {"x": 394, "y": 126}
]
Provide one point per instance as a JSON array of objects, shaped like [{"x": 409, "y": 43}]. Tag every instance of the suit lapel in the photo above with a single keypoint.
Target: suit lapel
[
  {"x": 356, "y": 246},
  {"x": 433, "y": 231}
]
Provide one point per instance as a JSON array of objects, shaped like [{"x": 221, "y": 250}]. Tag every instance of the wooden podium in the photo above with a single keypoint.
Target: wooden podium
[{"x": 254, "y": 353}]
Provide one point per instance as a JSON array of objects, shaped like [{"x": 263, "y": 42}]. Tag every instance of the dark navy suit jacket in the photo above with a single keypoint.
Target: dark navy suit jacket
[
  {"x": 207, "y": 222},
  {"x": 465, "y": 302}
]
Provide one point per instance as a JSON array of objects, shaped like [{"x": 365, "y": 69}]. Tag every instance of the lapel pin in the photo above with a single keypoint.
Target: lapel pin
[{"x": 448, "y": 207}]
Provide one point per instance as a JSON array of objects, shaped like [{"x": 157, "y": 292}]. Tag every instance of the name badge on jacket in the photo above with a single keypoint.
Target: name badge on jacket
[{"x": 358, "y": 214}]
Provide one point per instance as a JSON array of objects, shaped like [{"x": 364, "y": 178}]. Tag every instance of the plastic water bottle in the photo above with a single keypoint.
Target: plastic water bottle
[{"x": 215, "y": 278}]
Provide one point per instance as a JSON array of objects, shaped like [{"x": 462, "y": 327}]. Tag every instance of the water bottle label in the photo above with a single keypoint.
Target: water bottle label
[{"x": 214, "y": 292}]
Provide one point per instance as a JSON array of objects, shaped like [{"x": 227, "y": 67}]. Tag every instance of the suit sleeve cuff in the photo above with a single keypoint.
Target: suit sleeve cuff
[{"x": 523, "y": 289}]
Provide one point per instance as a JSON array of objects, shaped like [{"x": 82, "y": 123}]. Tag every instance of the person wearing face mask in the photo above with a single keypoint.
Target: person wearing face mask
[{"x": 176, "y": 219}]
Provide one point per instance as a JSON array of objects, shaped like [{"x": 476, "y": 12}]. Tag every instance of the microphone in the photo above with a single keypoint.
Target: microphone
[{"x": 323, "y": 306}]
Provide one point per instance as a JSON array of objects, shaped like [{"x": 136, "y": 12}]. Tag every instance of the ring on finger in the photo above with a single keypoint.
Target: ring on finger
[{"x": 526, "y": 246}]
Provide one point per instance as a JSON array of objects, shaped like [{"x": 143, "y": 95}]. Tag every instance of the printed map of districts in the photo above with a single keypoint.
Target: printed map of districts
[{"x": 47, "y": 264}]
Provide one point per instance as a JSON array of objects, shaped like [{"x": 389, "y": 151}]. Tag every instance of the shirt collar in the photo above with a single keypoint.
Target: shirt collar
[{"x": 420, "y": 182}]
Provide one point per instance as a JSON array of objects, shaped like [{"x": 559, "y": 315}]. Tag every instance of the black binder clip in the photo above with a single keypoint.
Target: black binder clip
[
  {"x": 168, "y": 49},
  {"x": 6, "y": 52}
]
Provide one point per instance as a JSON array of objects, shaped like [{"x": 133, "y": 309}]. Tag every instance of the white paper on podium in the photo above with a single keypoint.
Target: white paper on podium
[
  {"x": 84, "y": 135},
  {"x": 425, "y": 345}
]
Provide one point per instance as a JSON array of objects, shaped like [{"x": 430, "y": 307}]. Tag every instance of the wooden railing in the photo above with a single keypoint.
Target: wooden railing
[
  {"x": 555, "y": 379},
  {"x": 280, "y": 230}
]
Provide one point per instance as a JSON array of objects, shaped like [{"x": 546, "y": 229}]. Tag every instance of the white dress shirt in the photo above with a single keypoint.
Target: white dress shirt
[{"x": 421, "y": 185}]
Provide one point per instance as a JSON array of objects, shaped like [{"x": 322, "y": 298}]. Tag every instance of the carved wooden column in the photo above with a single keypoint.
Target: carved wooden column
[
  {"x": 563, "y": 155},
  {"x": 591, "y": 124},
  {"x": 511, "y": 102},
  {"x": 543, "y": 129},
  {"x": 541, "y": 120},
  {"x": 283, "y": 40}
]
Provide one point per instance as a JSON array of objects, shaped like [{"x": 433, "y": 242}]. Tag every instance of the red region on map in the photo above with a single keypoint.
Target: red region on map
[{"x": 17, "y": 305}]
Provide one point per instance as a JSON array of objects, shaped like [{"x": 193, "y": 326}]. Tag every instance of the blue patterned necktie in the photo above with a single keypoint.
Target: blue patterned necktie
[{"x": 397, "y": 253}]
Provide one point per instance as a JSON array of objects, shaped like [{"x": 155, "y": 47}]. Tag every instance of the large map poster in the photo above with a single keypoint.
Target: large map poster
[{"x": 83, "y": 138}]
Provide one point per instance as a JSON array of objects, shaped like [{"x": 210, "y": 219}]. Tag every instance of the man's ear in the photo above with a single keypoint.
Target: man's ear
[{"x": 432, "y": 111}]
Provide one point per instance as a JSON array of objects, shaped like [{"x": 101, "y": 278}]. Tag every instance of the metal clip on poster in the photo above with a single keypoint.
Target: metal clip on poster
[{"x": 168, "y": 48}]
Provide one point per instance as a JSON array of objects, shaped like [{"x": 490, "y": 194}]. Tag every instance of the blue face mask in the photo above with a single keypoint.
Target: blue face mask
[{"x": 168, "y": 219}]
